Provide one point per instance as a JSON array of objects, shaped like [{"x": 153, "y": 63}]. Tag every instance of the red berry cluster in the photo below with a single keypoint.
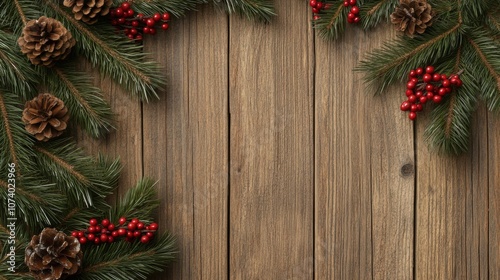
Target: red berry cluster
[
  {"x": 427, "y": 85},
  {"x": 136, "y": 25},
  {"x": 353, "y": 15},
  {"x": 107, "y": 232},
  {"x": 317, "y": 6}
]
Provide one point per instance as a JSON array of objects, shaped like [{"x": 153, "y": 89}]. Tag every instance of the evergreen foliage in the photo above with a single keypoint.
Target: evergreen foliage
[{"x": 465, "y": 36}]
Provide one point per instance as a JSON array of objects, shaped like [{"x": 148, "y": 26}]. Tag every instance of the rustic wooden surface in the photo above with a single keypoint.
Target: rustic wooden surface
[{"x": 274, "y": 162}]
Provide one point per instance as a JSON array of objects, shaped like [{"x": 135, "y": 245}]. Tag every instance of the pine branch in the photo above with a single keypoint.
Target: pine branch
[
  {"x": 139, "y": 201},
  {"x": 332, "y": 22},
  {"x": 374, "y": 12},
  {"x": 16, "y": 72},
  {"x": 252, "y": 9},
  {"x": 100, "y": 45},
  {"x": 77, "y": 176},
  {"x": 394, "y": 61},
  {"x": 85, "y": 103},
  {"x": 175, "y": 7},
  {"x": 123, "y": 260},
  {"x": 15, "y": 13}
]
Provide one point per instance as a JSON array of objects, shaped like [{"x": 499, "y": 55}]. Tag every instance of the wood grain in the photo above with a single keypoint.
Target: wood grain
[
  {"x": 364, "y": 169},
  {"x": 271, "y": 105},
  {"x": 186, "y": 142},
  {"x": 452, "y": 220},
  {"x": 493, "y": 199}
]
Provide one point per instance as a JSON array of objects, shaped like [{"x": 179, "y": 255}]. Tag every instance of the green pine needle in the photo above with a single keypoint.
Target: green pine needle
[
  {"x": 138, "y": 202},
  {"x": 252, "y": 9}
]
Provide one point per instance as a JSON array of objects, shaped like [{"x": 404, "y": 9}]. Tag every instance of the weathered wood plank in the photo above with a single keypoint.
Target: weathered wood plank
[
  {"x": 493, "y": 202},
  {"x": 186, "y": 142},
  {"x": 452, "y": 217},
  {"x": 271, "y": 105},
  {"x": 364, "y": 169}
]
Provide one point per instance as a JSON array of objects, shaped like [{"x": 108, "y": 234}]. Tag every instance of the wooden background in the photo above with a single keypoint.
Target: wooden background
[{"x": 274, "y": 162}]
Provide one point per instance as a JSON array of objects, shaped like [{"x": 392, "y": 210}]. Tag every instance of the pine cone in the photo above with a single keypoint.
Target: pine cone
[
  {"x": 53, "y": 255},
  {"x": 45, "y": 117},
  {"x": 45, "y": 41},
  {"x": 88, "y": 10},
  {"x": 412, "y": 16}
]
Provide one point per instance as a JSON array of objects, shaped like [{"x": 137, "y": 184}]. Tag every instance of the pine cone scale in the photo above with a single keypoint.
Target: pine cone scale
[
  {"x": 46, "y": 117},
  {"x": 88, "y": 10},
  {"x": 412, "y": 16}
]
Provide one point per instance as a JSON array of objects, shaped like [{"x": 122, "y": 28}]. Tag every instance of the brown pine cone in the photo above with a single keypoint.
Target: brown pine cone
[
  {"x": 45, "y": 117},
  {"x": 412, "y": 16},
  {"x": 45, "y": 41},
  {"x": 88, "y": 10},
  {"x": 53, "y": 255}
]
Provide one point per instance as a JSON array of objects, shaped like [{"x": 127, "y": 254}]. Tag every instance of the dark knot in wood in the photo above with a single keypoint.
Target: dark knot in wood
[{"x": 407, "y": 170}]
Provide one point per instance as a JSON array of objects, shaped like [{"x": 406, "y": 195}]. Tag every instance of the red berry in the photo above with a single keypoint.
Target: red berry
[
  {"x": 419, "y": 107},
  {"x": 122, "y": 231},
  {"x": 355, "y": 10},
  {"x": 423, "y": 99},
  {"x": 134, "y": 23},
  {"x": 442, "y": 91},
  {"x": 97, "y": 241},
  {"x": 409, "y": 92},
  {"x": 437, "y": 98},
  {"x": 357, "y": 19},
  {"x": 352, "y": 2},
  {"x": 122, "y": 220},
  {"x": 153, "y": 226},
  {"x": 115, "y": 233},
  {"x": 98, "y": 228},
  {"x": 316, "y": 17},
  {"x": 140, "y": 226},
  {"x": 413, "y": 74},
  {"x": 91, "y": 237},
  {"x": 429, "y": 87},
  {"x": 140, "y": 15},
  {"x": 412, "y": 116},
  {"x": 104, "y": 237},
  {"x": 350, "y": 20},
  {"x": 133, "y": 31},
  {"x": 91, "y": 229},
  {"x": 446, "y": 83},
  {"x": 459, "y": 82},
  {"x": 111, "y": 239},
  {"x": 145, "y": 239},
  {"x": 138, "y": 37},
  {"x": 145, "y": 30},
  {"x": 82, "y": 240},
  {"x": 412, "y": 99},
  {"x": 104, "y": 230},
  {"x": 312, "y": 3},
  {"x": 111, "y": 227},
  {"x": 130, "y": 13},
  {"x": 429, "y": 96},
  {"x": 125, "y": 6},
  {"x": 315, "y": 10},
  {"x": 131, "y": 226},
  {"x": 413, "y": 108},
  {"x": 93, "y": 222},
  {"x": 150, "y": 234},
  {"x": 405, "y": 106},
  {"x": 419, "y": 71},
  {"x": 427, "y": 78},
  {"x": 157, "y": 17},
  {"x": 121, "y": 21},
  {"x": 135, "y": 221},
  {"x": 152, "y": 31},
  {"x": 410, "y": 85},
  {"x": 137, "y": 233},
  {"x": 165, "y": 16},
  {"x": 114, "y": 22},
  {"x": 150, "y": 22},
  {"x": 346, "y": 3},
  {"x": 429, "y": 69},
  {"x": 320, "y": 5},
  {"x": 105, "y": 222},
  {"x": 444, "y": 77},
  {"x": 81, "y": 234},
  {"x": 351, "y": 16},
  {"x": 130, "y": 234},
  {"x": 164, "y": 26},
  {"x": 436, "y": 77},
  {"x": 119, "y": 12},
  {"x": 74, "y": 233}
]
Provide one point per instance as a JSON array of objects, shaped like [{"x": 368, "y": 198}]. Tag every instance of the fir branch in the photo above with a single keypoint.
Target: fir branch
[
  {"x": 20, "y": 11},
  {"x": 139, "y": 201},
  {"x": 77, "y": 176},
  {"x": 15, "y": 13},
  {"x": 16, "y": 73},
  {"x": 332, "y": 22},
  {"x": 123, "y": 260},
  {"x": 175, "y": 7},
  {"x": 260, "y": 9},
  {"x": 85, "y": 103},
  {"x": 8, "y": 132},
  {"x": 376, "y": 11},
  {"x": 99, "y": 44}
]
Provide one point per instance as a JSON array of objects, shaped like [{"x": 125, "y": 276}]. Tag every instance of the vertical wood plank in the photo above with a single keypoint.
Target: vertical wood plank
[
  {"x": 452, "y": 219},
  {"x": 364, "y": 168},
  {"x": 186, "y": 142},
  {"x": 271, "y": 173},
  {"x": 494, "y": 197}
]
